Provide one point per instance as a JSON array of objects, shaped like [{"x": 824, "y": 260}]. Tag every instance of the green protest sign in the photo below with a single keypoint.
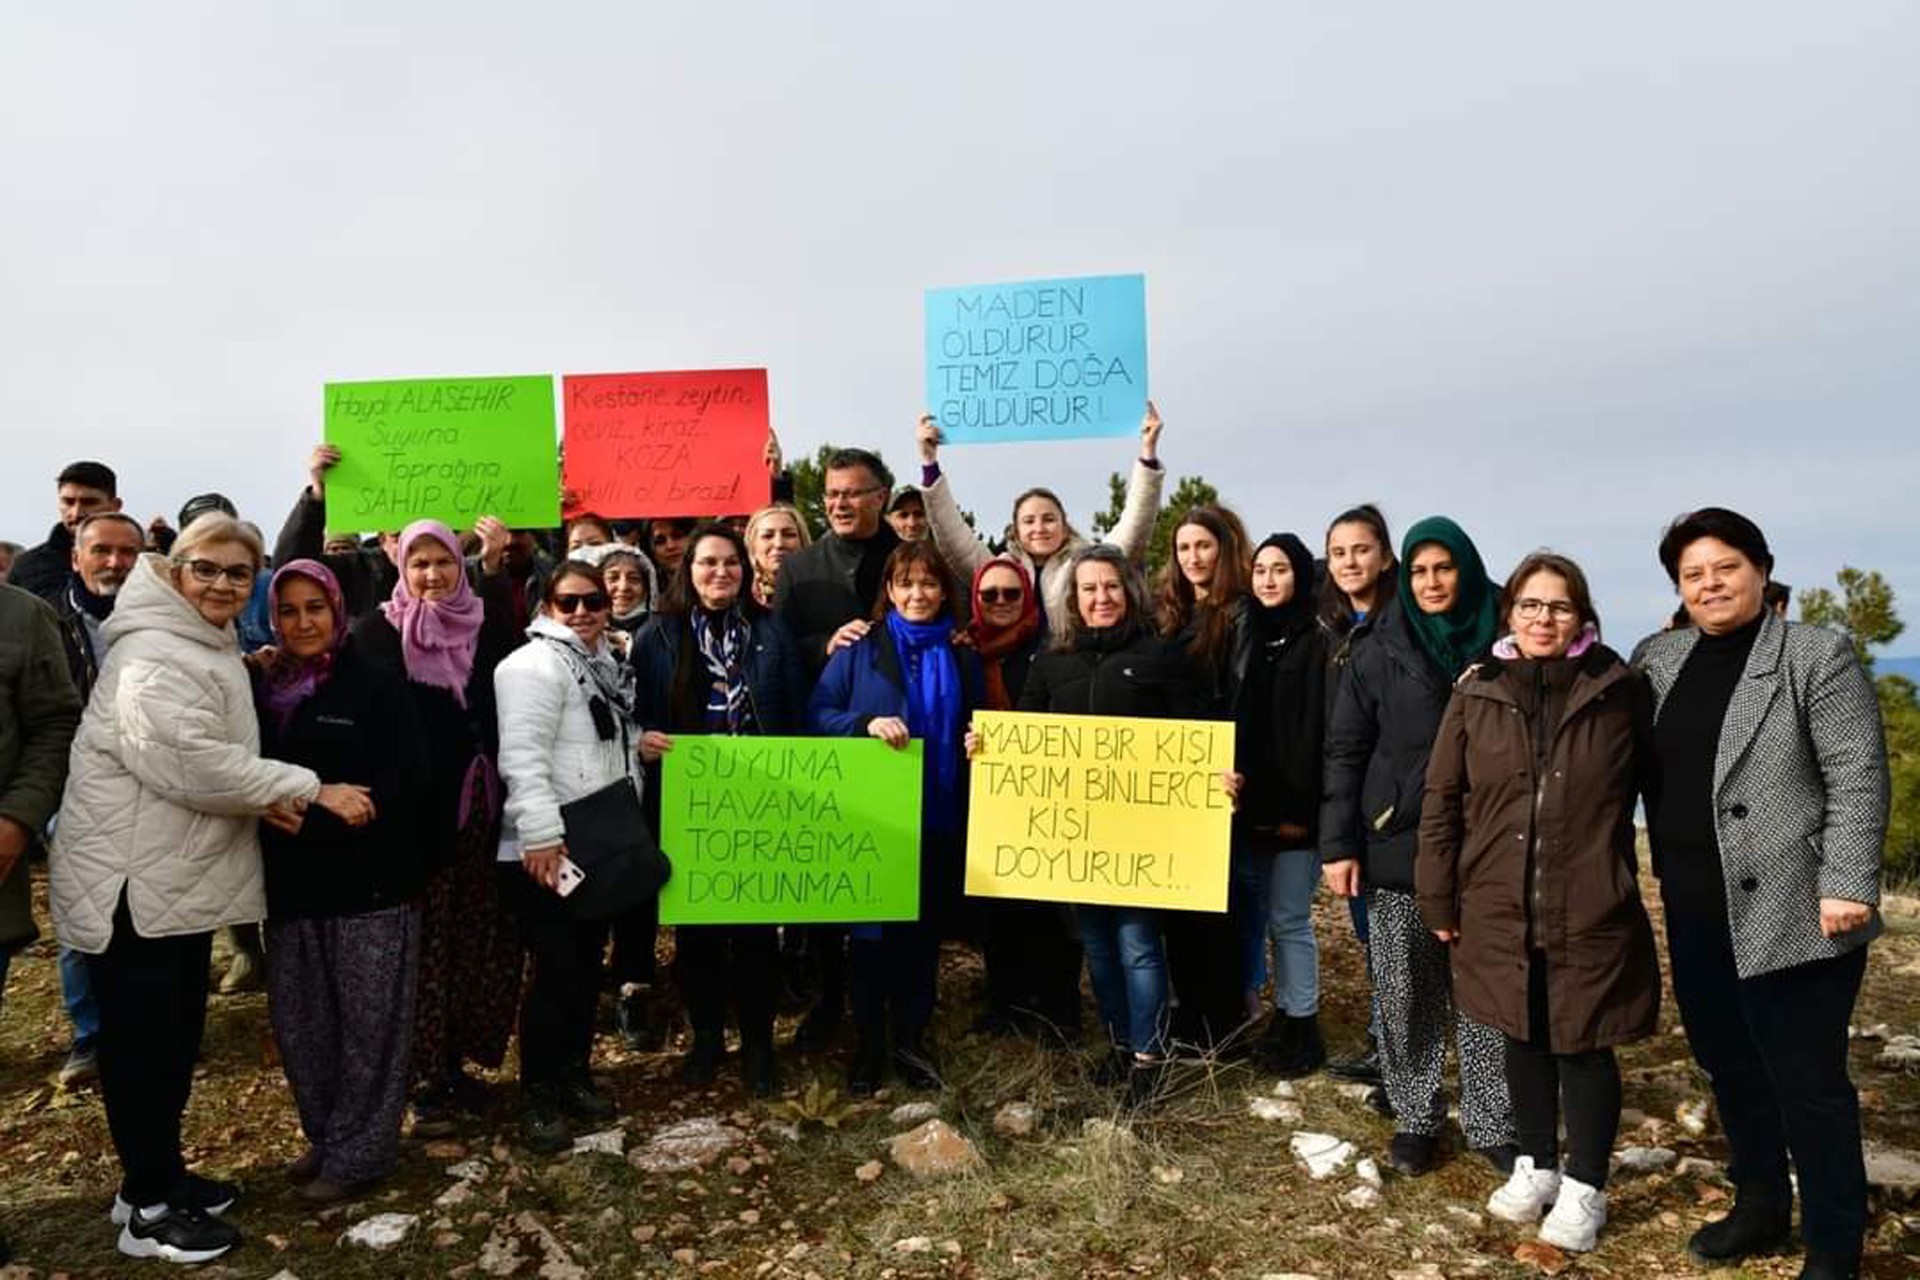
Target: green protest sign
[
  {"x": 449, "y": 449},
  {"x": 790, "y": 831}
]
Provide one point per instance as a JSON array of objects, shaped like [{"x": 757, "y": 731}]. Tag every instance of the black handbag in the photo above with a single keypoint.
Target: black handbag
[{"x": 609, "y": 840}]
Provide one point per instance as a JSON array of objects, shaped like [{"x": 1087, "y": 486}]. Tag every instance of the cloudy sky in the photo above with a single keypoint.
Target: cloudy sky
[{"x": 1558, "y": 272}]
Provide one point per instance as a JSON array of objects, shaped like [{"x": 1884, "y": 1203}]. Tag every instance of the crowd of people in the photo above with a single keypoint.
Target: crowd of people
[{"x": 374, "y": 745}]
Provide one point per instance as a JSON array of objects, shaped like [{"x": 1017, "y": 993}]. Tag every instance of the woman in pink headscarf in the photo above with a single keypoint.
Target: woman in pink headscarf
[{"x": 446, "y": 638}]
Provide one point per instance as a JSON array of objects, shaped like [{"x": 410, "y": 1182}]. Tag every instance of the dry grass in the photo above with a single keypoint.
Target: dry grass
[{"x": 1194, "y": 1186}]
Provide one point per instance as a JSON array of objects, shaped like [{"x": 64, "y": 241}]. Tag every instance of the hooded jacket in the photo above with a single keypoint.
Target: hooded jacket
[
  {"x": 1527, "y": 844},
  {"x": 966, "y": 552},
  {"x": 1387, "y": 706},
  {"x": 166, "y": 781},
  {"x": 38, "y": 713}
]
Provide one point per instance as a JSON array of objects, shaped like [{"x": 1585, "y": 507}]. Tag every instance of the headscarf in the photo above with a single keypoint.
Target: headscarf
[
  {"x": 1452, "y": 639},
  {"x": 934, "y": 710},
  {"x": 291, "y": 681},
  {"x": 437, "y": 637},
  {"x": 993, "y": 644},
  {"x": 1297, "y": 614},
  {"x": 598, "y": 555}
]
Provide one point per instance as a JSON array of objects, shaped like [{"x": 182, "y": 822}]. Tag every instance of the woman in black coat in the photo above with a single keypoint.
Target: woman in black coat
[
  {"x": 343, "y": 927},
  {"x": 714, "y": 661}
]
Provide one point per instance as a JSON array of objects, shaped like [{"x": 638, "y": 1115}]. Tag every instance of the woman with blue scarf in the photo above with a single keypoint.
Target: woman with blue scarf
[{"x": 904, "y": 680}]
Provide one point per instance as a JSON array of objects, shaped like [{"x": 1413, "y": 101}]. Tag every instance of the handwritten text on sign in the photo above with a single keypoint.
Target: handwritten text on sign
[
  {"x": 790, "y": 830},
  {"x": 666, "y": 444},
  {"x": 1100, "y": 809},
  {"x": 449, "y": 449},
  {"x": 1043, "y": 360}
]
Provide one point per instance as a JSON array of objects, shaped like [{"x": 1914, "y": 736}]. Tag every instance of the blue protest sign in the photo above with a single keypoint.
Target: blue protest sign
[{"x": 1039, "y": 360}]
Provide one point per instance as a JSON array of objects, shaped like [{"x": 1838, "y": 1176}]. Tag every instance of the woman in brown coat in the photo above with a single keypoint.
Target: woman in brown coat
[{"x": 1527, "y": 868}]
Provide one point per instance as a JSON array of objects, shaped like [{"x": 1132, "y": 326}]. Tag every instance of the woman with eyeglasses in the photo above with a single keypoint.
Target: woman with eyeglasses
[
  {"x": 1039, "y": 535},
  {"x": 444, "y": 635},
  {"x": 1387, "y": 708},
  {"x": 1032, "y": 954},
  {"x": 902, "y": 680},
  {"x": 158, "y": 846},
  {"x": 715, "y": 662},
  {"x": 566, "y": 730},
  {"x": 343, "y": 927},
  {"x": 1527, "y": 872}
]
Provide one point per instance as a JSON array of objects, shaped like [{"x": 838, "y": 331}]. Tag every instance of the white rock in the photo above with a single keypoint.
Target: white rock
[
  {"x": 381, "y": 1231},
  {"x": 1322, "y": 1153},
  {"x": 687, "y": 1145},
  {"x": 1644, "y": 1159},
  {"x": 1466, "y": 1215},
  {"x": 1368, "y": 1172},
  {"x": 454, "y": 1196},
  {"x": 913, "y": 1244},
  {"x": 912, "y": 1113},
  {"x": 1901, "y": 1053},
  {"x": 1892, "y": 1171},
  {"x": 1355, "y": 1092},
  {"x": 1692, "y": 1115},
  {"x": 474, "y": 1170},
  {"x": 608, "y": 1142},
  {"x": 1272, "y": 1109},
  {"x": 1285, "y": 1089},
  {"x": 1362, "y": 1197},
  {"x": 1016, "y": 1120}
]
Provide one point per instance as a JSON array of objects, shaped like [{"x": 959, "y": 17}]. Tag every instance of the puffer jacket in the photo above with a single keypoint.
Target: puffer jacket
[
  {"x": 166, "y": 779},
  {"x": 551, "y": 753},
  {"x": 38, "y": 712},
  {"x": 966, "y": 552},
  {"x": 1386, "y": 710}
]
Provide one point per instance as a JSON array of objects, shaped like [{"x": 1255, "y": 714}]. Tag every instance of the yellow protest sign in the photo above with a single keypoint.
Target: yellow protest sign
[{"x": 1100, "y": 809}]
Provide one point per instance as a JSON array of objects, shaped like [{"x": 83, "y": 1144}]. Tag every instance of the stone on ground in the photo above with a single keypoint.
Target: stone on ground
[
  {"x": 911, "y": 1113},
  {"x": 1016, "y": 1120},
  {"x": 1322, "y": 1153},
  {"x": 381, "y": 1231},
  {"x": 1644, "y": 1159},
  {"x": 688, "y": 1145},
  {"x": 935, "y": 1149}
]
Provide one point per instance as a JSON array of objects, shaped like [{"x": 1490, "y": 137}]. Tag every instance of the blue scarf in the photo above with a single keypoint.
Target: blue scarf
[{"x": 934, "y": 712}]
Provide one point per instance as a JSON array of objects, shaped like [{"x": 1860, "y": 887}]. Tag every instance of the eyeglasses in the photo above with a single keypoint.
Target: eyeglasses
[
  {"x": 1001, "y": 595},
  {"x": 851, "y": 495},
  {"x": 240, "y": 575},
  {"x": 1559, "y": 610},
  {"x": 569, "y": 602}
]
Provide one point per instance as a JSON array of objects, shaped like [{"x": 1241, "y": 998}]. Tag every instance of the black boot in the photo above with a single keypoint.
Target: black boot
[
  {"x": 1821, "y": 1265},
  {"x": 641, "y": 1031},
  {"x": 1309, "y": 1050},
  {"x": 1145, "y": 1080},
  {"x": 869, "y": 1067},
  {"x": 1362, "y": 1068},
  {"x": 702, "y": 1062},
  {"x": 756, "y": 1062},
  {"x": 543, "y": 1126},
  {"x": 582, "y": 1099},
  {"x": 1278, "y": 1044},
  {"x": 1759, "y": 1223},
  {"x": 914, "y": 1062}
]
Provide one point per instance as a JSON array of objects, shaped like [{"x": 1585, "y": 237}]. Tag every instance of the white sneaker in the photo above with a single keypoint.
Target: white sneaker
[
  {"x": 1528, "y": 1193},
  {"x": 1578, "y": 1215}
]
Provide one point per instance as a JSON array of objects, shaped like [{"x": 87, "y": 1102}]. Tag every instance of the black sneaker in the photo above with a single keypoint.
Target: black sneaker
[
  {"x": 543, "y": 1128},
  {"x": 1362, "y": 1068},
  {"x": 1755, "y": 1226},
  {"x": 177, "y": 1235},
  {"x": 581, "y": 1099},
  {"x": 1411, "y": 1154},
  {"x": 205, "y": 1195}
]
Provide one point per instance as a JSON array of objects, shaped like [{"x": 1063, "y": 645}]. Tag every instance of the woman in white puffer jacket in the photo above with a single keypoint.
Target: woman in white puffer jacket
[
  {"x": 566, "y": 730},
  {"x": 157, "y": 846}
]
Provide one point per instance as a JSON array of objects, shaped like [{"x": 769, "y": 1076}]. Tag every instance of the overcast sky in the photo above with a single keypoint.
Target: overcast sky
[{"x": 1559, "y": 272}]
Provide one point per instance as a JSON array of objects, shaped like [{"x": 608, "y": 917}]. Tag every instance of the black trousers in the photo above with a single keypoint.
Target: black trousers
[
  {"x": 1033, "y": 962},
  {"x": 893, "y": 978},
  {"x": 556, "y": 1014},
  {"x": 713, "y": 961},
  {"x": 1204, "y": 963},
  {"x": 1544, "y": 1086},
  {"x": 634, "y": 935},
  {"x": 1775, "y": 1047},
  {"x": 152, "y": 994}
]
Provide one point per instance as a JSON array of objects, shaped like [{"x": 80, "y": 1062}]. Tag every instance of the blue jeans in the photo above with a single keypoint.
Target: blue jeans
[
  {"x": 1292, "y": 877},
  {"x": 1247, "y": 912},
  {"x": 1128, "y": 967},
  {"x": 76, "y": 989}
]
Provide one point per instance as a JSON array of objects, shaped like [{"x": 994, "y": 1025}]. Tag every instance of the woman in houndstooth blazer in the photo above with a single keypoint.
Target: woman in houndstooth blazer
[{"x": 1766, "y": 821}]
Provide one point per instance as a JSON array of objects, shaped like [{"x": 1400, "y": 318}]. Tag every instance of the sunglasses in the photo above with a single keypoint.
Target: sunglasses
[
  {"x": 1001, "y": 595},
  {"x": 569, "y": 602},
  {"x": 240, "y": 575}
]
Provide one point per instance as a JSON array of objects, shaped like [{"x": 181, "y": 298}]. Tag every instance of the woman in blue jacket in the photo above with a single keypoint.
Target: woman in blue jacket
[
  {"x": 904, "y": 680},
  {"x": 714, "y": 661}
]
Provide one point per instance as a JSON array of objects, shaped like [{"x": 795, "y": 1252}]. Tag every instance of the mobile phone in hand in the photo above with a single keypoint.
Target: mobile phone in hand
[{"x": 570, "y": 876}]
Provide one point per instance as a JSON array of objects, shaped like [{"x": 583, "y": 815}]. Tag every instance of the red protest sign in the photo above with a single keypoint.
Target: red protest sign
[{"x": 688, "y": 443}]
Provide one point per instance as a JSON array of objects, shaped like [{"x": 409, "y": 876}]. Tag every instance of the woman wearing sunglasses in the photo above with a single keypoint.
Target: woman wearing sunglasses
[
  {"x": 566, "y": 731},
  {"x": 716, "y": 662},
  {"x": 158, "y": 846}
]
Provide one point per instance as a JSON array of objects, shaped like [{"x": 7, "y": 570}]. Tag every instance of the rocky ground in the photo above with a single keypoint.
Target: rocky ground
[{"x": 1020, "y": 1168}]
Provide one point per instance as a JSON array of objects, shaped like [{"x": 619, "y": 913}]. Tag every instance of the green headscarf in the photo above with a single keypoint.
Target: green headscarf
[{"x": 1452, "y": 639}]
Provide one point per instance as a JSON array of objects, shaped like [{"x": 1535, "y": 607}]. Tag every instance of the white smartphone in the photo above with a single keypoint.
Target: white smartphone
[{"x": 570, "y": 876}]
